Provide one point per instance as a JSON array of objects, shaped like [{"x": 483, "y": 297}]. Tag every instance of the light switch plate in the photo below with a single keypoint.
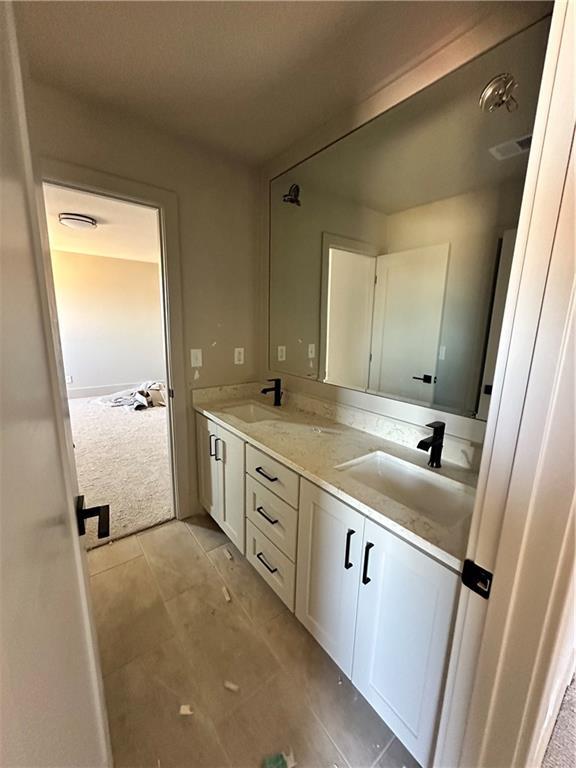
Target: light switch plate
[
  {"x": 196, "y": 358},
  {"x": 442, "y": 353},
  {"x": 239, "y": 356},
  {"x": 69, "y": 379},
  {"x": 281, "y": 354},
  {"x": 311, "y": 351}
]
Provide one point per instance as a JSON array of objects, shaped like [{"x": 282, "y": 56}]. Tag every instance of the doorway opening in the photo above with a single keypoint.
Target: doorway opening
[{"x": 106, "y": 257}]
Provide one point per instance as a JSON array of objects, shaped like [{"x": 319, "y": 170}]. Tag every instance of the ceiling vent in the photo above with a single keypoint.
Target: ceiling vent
[{"x": 511, "y": 148}]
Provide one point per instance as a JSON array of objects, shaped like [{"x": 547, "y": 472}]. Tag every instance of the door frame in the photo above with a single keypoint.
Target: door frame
[{"x": 166, "y": 202}]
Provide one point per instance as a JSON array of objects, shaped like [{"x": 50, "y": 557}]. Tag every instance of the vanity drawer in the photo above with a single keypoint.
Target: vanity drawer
[
  {"x": 276, "y": 519},
  {"x": 271, "y": 564},
  {"x": 273, "y": 475}
]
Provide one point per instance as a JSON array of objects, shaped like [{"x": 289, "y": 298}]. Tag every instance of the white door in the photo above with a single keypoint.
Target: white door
[
  {"x": 350, "y": 297},
  {"x": 51, "y": 705},
  {"x": 408, "y": 308},
  {"x": 405, "y": 608},
  {"x": 209, "y": 472},
  {"x": 229, "y": 451},
  {"x": 329, "y": 554}
]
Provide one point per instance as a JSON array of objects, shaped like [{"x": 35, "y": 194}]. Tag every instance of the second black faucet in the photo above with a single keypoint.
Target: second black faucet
[{"x": 277, "y": 389}]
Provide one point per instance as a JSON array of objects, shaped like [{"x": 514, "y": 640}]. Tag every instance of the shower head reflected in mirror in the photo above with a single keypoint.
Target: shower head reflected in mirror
[{"x": 498, "y": 93}]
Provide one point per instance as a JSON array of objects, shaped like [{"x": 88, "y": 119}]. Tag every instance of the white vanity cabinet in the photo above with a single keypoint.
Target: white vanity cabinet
[
  {"x": 329, "y": 561},
  {"x": 381, "y": 608},
  {"x": 405, "y": 606},
  {"x": 221, "y": 477}
]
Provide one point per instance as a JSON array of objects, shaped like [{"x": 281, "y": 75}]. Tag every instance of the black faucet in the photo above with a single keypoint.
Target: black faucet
[
  {"x": 277, "y": 389},
  {"x": 434, "y": 443}
]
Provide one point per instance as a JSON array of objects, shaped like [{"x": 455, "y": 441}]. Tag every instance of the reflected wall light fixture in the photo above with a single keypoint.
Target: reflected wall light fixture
[{"x": 293, "y": 195}]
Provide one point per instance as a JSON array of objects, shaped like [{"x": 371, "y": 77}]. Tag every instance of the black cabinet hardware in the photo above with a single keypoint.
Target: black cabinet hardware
[
  {"x": 488, "y": 389},
  {"x": 365, "y": 578},
  {"x": 102, "y": 513},
  {"x": 262, "y": 471},
  {"x": 266, "y": 516},
  {"x": 217, "y": 456},
  {"x": 347, "y": 563},
  {"x": 426, "y": 378},
  {"x": 211, "y": 449},
  {"x": 477, "y": 579},
  {"x": 265, "y": 563}
]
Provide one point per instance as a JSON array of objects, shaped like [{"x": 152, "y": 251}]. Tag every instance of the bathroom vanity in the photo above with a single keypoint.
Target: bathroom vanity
[{"x": 356, "y": 535}]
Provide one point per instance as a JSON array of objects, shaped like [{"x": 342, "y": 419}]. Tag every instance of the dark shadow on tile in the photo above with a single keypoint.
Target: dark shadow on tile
[
  {"x": 143, "y": 702},
  {"x": 206, "y": 531},
  {"x": 356, "y": 729}
]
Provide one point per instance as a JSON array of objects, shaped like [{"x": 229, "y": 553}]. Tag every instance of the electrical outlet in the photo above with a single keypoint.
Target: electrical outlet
[
  {"x": 239, "y": 356},
  {"x": 311, "y": 351},
  {"x": 196, "y": 358},
  {"x": 69, "y": 379},
  {"x": 281, "y": 354}
]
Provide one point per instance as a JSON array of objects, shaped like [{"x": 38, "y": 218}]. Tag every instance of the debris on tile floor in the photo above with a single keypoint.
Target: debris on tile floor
[
  {"x": 226, "y": 594},
  {"x": 228, "y": 553},
  {"x": 280, "y": 760},
  {"x": 185, "y": 709},
  {"x": 231, "y": 686}
]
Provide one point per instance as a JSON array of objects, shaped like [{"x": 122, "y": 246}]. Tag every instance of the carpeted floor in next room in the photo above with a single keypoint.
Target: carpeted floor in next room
[{"x": 122, "y": 459}]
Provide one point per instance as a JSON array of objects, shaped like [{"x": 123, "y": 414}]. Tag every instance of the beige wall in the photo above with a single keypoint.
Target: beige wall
[
  {"x": 110, "y": 319},
  {"x": 217, "y": 218},
  {"x": 471, "y": 223}
]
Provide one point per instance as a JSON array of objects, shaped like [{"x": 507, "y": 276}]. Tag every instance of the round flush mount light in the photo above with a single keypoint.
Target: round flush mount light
[{"x": 77, "y": 221}]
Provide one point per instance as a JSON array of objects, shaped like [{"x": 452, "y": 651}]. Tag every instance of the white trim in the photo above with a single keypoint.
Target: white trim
[
  {"x": 68, "y": 174},
  {"x": 102, "y": 389}
]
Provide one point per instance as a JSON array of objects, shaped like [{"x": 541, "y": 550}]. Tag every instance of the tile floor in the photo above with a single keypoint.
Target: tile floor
[{"x": 168, "y": 637}]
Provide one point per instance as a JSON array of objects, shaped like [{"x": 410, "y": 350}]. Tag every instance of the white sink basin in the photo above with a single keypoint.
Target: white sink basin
[
  {"x": 251, "y": 412},
  {"x": 438, "y": 498}
]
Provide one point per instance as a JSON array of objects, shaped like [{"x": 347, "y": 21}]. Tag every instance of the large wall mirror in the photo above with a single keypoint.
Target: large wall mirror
[{"x": 390, "y": 250}]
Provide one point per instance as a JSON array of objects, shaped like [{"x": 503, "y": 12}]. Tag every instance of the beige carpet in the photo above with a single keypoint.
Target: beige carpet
[
  {"x": 561, "y": 752},
  {"x": 122, "y": 460}
]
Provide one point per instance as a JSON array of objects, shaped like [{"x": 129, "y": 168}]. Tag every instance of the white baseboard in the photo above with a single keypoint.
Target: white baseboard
[{"x": 105, "y": 389}]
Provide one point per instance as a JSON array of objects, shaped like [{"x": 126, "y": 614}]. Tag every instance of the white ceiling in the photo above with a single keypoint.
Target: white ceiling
[
  {"x": 248, "y": 78},
  {"x": 436, "y": 144},
  {"x": 125, "y": 230}
]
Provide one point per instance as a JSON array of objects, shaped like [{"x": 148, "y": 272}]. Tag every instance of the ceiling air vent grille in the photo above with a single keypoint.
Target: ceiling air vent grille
[{"x": 511, "y": 148}]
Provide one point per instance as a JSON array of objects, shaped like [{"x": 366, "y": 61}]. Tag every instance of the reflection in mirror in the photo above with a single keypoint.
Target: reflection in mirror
[{"x": 389, "y": 268}]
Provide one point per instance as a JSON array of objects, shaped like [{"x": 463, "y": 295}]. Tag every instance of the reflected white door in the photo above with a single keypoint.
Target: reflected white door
[
  {"x": 349, "y": 317},
  {"x": 408, "y": 307},
  {"x": 51, "y": 705}
]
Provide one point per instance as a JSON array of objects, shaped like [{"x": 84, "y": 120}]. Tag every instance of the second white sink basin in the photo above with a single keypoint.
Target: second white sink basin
[
  {"x": 251, "y": 412},
  {"x": 438, "y": 498}
]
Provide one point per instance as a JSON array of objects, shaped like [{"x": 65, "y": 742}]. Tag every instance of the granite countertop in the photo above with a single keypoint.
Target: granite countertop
[{"x": 313, "y": 446}]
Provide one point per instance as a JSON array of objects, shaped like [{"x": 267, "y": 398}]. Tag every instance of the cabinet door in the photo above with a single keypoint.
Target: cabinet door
[
  {"x": 328, "y": 572},
  {"x": 405, "y": 609},
  {"x": 209, "y": 471},
  {"x": 230, "y": 460}
]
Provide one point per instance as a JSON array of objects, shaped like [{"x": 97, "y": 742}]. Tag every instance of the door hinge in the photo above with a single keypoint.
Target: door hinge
[
  {"x": 477, "y": 579},
  {"x": 170, "y": 392}
]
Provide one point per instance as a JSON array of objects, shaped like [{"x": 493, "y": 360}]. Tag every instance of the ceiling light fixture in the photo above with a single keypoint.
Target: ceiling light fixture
[{"x": 77, "y": 221}]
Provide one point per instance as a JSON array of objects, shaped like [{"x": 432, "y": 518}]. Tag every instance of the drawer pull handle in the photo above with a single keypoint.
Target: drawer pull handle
[
  {"x": 265, "y": 563},
  {"x": 365, "y": 578},
  {"x": 347, "y": 563},
  {"x": 263, "y": 472},
  {"x": 212, "y": 448},
  {"x": 266, "y": 516},
  {"x": 216, "y": 455}
]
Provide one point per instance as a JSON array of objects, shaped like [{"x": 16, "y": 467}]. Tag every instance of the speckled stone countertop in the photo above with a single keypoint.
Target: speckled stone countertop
[{"x": 313, "y": 446}]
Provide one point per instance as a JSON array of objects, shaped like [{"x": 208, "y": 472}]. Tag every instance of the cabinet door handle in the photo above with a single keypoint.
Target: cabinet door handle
[
  {"x": 265, "y": 563},
  {"x": 262, "y": 471},
  {"x": 365, "y": 578},
  {"x": 347, "y": 563},
  {"x": 266, "y": 516},
  {"x": 211, "y": 448},
  {"x": 216, "y": 455}
]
